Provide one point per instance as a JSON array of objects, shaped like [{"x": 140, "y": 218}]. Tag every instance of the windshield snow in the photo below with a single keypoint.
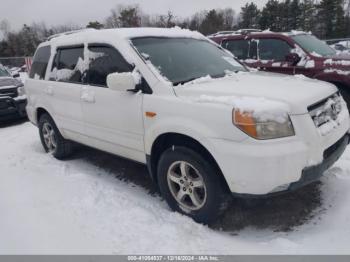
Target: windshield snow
[
  {"x": 313, "y": 45},
  {"x": 181, "y": 60}
]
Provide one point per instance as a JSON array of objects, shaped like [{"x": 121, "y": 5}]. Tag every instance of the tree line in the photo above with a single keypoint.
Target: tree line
[{"x": 324, "y": 18}]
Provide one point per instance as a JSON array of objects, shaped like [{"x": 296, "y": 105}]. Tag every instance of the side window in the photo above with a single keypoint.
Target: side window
[
  {"x": 40, "y": 61},
  {"x": 105, "y": 60},
  {"x": 69, "y": 65},
  {"x": 239, "y": 48},
  {"x": 273, "y": 49}
]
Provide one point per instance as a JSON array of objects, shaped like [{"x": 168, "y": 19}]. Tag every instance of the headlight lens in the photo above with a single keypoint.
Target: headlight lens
[
  {"x": 262, "y": 130},
  {"x": 21, "y": 91}
]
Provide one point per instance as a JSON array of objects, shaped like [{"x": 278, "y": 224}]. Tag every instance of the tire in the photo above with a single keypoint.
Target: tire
[
  {"x": 205, "y": 203},
  {"x": 51, "y": 138}
]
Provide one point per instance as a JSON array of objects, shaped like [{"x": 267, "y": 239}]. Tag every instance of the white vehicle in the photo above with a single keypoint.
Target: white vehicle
[{"x": 205, "y": 126}]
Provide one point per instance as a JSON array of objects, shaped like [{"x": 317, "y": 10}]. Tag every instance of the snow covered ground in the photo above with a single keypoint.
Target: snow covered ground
[{"x": 95, "y": 203}]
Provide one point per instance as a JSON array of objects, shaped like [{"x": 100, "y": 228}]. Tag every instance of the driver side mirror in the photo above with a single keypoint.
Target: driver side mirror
[
  {"x": 121, "y": 82},
  {"x": 16, "y": 75},
  {"x": 293, "y": 58}
]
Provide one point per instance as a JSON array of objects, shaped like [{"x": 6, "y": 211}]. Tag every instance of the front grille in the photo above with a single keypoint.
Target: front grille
[
  {"x": 3, "y": 104},
  {"x": 9, "y": 92},
  {"x": 326, "y": 110}
]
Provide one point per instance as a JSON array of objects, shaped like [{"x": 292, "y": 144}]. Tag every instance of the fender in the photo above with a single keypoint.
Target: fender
[{"x": 188, "y": 127}]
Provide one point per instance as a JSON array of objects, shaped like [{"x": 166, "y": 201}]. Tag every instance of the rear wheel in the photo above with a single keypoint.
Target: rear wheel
[
  {"x": 191, "y": 185},
  {"x": 51, "y": 138}
]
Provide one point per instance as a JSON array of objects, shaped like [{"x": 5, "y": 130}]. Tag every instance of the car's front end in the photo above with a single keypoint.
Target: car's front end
[
  {"x": 12, "y": 99},
  {"x": 275, "y": 156},
  {"x": 258, "y": 167},
  {"x": 258, "y": 154}
]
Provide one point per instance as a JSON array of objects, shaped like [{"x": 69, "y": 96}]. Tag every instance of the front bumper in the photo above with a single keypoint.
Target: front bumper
[
  {"x": 314, "y": 173},
  {"x": 12, "y": 108},
  {"x": 259, "y": 168}
]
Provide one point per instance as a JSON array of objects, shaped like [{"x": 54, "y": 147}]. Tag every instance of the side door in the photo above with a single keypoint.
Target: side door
[
  {"x": 64, "y": 87},
  {"x": 272, "y": 53},
  {"x": 113, "y": 119}
]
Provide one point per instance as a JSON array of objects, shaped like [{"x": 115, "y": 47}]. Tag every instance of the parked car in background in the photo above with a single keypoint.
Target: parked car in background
[
  {"x": 12, "y": 97},
  {"x": 205, "y": 126},
  {"x": 293, "y": 53}
]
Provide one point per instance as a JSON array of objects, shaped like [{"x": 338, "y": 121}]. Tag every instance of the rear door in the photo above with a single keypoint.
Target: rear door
[
  {"x": 113, "y": 119},
  {"x": 64, "y": 88}
]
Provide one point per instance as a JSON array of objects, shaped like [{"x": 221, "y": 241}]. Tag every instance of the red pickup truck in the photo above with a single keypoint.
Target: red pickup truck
[{"x": 290, "y": 53}]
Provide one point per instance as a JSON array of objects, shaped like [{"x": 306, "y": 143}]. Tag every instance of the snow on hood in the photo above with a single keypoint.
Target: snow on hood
[
  {"x": 287, "y": 94},
  {"x": 6, "y": 82},
  {"x": 262, "y": 109},
  {"x": 340, "y": 56}
]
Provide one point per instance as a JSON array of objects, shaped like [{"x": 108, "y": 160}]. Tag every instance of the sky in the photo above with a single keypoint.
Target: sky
[{"x": 80, "y": 12}]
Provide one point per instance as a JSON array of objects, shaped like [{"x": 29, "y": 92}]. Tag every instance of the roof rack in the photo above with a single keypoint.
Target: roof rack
[
  {"x": 240, "y": 32},
  {"x": 69, "y": 33},
  {"x": 247, "y": 31}
]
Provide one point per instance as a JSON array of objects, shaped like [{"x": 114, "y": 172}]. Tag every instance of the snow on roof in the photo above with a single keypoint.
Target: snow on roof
[
  {"x": 158, "y": 32},
  {"x": 118, "y": 37},
  {"x": 257, "y": 32},
  {"x": 126, "y": 33},
  {"x": 296, "y": 32}
]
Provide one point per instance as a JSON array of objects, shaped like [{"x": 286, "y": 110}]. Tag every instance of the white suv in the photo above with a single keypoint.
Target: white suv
[{"x": 204, "y": 124}]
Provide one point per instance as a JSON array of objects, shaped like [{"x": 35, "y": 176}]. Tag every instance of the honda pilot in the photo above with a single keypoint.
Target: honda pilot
[{"x": 204, "y": 124}]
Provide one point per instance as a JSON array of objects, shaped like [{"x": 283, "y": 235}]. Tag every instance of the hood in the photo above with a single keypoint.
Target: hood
[
  {"x": 298, "y": 92},
  {"x": 339, "y": 61},
  {"x": 8, "y": 82},
  {"x": 340, "y": 56}
]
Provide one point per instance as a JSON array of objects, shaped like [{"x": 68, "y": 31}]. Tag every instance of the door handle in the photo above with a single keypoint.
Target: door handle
[
  {"x": 49, "y": 90},
  {"x": 88, "y": 97}
]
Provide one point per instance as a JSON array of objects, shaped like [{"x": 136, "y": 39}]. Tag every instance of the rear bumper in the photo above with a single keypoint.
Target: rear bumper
[{"x": 12, "y": 108}]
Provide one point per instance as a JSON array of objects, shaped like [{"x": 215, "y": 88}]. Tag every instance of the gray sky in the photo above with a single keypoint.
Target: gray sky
[{"x": 18, "y": 12}]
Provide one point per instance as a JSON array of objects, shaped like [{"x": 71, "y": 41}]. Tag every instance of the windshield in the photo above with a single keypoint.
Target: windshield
[
  {"x": 313, "y": 45},
  {"x": 3, "y": 72},
  {"x": 181, "y": 60}
]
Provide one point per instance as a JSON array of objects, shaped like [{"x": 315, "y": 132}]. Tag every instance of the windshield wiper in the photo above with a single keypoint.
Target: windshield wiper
[
  {"x": 194, "y": 78},
  {"x": 185, "y": 81}
]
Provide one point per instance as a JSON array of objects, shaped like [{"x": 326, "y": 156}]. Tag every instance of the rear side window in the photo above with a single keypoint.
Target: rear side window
[
  {"x": 40, "y": 61},
  {"x": 105, "y": 60},
  {"x": 69, "y": 65},
  {"x": 273, "y": 49},
  {"x": 239, "y": 48}
]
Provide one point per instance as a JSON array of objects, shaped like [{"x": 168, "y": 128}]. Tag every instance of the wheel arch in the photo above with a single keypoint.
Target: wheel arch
[
  {"x": 167, "y": 140},
  {"x": 39, "y": 112}
]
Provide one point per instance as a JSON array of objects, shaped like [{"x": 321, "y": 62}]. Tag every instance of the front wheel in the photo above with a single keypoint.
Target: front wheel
[{"x": 191, "y": 185}]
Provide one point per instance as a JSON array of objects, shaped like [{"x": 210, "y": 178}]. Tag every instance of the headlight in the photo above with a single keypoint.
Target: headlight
[
  {"x": 21, "y": 91},
  {"x": 262, "y": 130}
]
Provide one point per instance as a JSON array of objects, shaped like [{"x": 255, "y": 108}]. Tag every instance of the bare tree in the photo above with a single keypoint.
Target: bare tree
[
  {"x": 124, "y": 16},
  {"x": 5, "y": 28}
]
